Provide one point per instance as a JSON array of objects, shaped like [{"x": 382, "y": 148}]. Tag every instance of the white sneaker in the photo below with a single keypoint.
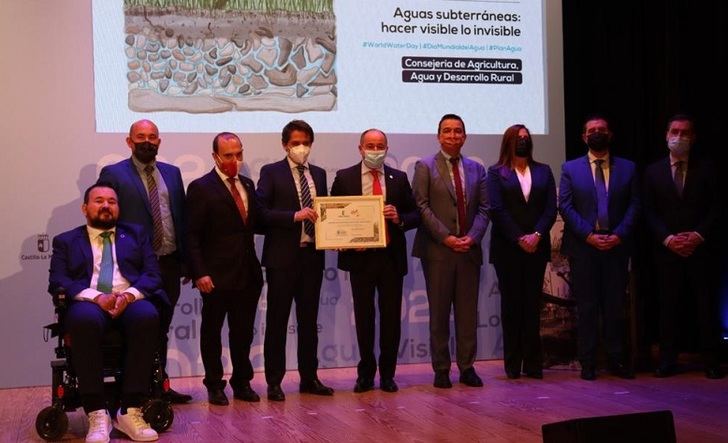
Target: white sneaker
[
  {"x": 99, "y": 426},
  {"x": 133, "y": 425}
]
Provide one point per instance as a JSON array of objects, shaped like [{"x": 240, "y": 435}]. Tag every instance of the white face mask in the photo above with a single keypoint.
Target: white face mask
[
  {"x": 679, "y": 146},
  {"x": 299, "y": 153},
  {"x": 374, "y": 159}
]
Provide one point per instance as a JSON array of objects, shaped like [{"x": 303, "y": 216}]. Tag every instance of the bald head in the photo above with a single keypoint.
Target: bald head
[{"x": 143, "y": 140}]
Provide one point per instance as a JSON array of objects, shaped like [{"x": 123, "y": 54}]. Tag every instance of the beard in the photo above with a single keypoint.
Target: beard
[{"x": 102, "y": 220}]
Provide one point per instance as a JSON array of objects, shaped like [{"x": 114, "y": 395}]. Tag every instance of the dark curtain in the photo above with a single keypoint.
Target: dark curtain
[{"x": 638, "y": 63}]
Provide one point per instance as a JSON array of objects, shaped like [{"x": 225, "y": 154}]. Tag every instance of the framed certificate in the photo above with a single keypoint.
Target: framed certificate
[{"x": 354, "y": 221}]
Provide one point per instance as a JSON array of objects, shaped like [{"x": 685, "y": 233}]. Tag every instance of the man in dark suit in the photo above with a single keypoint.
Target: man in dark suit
[
  {"x": 151, "y": 194},
  {"x": 111, "y": 275},
  {"x": 380, "y": 270},
  {"x": 293, "y": 266},
  {"x": 450, "y": 193},
  {"x": 598, "y": 199},
  {"x": 682, "y": 207},
  {"x": 223, "y": 213}
]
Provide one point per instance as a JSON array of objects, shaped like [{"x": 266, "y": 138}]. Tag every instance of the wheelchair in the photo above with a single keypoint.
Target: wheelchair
[{"x": 51, "y": 422}]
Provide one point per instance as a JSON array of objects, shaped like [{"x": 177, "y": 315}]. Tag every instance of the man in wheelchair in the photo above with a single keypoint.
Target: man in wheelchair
[{"x": 111, "y": 276}]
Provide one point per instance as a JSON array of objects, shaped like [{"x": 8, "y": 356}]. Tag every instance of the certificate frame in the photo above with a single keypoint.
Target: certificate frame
[{"x": 350, "y": 222}]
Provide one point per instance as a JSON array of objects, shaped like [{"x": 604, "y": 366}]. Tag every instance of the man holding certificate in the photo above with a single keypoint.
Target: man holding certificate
[
  {"x": 293, "y": 266},
  {"x": 378, "y": 270},
  {"x": 450, "y": 193}
]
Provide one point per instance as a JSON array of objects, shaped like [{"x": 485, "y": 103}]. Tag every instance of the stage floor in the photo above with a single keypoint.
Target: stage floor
[{"x": 503, "y": 411}]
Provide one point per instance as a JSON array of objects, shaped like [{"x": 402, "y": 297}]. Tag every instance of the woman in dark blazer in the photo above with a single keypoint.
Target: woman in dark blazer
[{"x": 522, "y": 208}]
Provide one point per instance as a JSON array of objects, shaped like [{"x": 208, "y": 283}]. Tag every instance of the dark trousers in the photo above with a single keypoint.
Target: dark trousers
[
  {"x": 378, "y": 276},
  {"x": 599, "y": 282},
  {"x": 302, "y": 283},
  {"x": 171, "y": 270},
  {"x": 452, "y": 283},
  {"x": 520, "y": 280},
  {"x": 240, "y": 308},
  {"x": 88, "y": 323},
  {"x": 695, "y": 278}
]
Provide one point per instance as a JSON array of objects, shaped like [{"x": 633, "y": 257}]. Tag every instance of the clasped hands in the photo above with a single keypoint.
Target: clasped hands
[
  {"x": 115, "y": 303},
  {"x": 458, "y": 244},
  {"x": 684, "y": 243},
  {"x": 603, "y": 242},
  {"x": 529, "y": 242}
]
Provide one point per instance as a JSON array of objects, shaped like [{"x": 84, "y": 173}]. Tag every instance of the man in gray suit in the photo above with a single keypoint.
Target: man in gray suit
[{"x": 450, "y": 193}]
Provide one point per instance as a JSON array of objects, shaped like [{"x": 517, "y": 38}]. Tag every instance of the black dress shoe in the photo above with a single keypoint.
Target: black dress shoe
[
  {"x": 442, "y": 380},
  {"x": 246, "y": 393},
  {"x": 588, "y": 373},
  {"x": 537, "y": 374},
  {"x": 363, "y": 385},
  {"x": 621, "y": 370},
  {"x": 275, "y": 393},
  {"x": 470, "y": 378},
  {"x": 388, "y": 385},
  {"x": 216, "y": 396},
  {"x": 513, "y": 374},
  {"x": 175, "y": 397},
  {"x": 714, "y": 372},
  {"x": 665, "y": 370},
  {"x": 315, "y": 387}
]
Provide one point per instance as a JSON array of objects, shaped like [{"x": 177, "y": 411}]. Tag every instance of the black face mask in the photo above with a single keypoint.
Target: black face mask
[
  {"x": 598, "y": 141},
  {"x": 145, "y": 152},
  {"x": 523, "y": 147}
]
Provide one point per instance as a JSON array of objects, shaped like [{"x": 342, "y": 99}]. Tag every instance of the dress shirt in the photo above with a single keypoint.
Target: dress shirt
[
  {"x": 605, "y": 168},
  {"x": 238, "y": 185},
  {"x": 305, "y": 238},
  {"x": 524, "y": 178},
  {"x": 367, "y": 180},
  {"x": 120, "y": 284},
  {"x": 168, "y": 239}
]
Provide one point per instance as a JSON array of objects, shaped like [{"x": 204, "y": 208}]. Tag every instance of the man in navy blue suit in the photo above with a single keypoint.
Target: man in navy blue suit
[
  {"x": 110, "y": 273},
  {"x": 378, "y": 270},
  {"x": 293, "y": 266},
  {"x": 598, "y": 199},
  {"x": 151, "y": 194}
]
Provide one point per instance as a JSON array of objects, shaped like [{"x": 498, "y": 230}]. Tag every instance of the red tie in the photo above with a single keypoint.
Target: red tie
[
  {"x": 377, "y": 190},
  {"x": 238, "y": 200},
  {"x": 460, "y": 196}
]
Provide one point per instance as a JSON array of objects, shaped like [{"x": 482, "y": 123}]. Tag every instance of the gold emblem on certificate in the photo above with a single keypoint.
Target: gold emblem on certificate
[{"x": 355, "y": 221}]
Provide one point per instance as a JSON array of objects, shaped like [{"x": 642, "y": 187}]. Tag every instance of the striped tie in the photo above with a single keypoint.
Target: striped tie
[
  {"x": 156, "y": 212},
  {"x": 306, "y": 201}
]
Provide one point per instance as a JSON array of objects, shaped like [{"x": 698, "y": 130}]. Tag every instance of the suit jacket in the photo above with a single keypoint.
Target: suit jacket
[
  {"x": 134, "y": 201},
  {"x": 668, "y": 213},
  {"x": 399, "y": 194},
  {"x": 513, "y": 216},
  {"x": 72, "y": 262},
  {"x": 279, "y": 202},
  {"x": 578, "y": 204},
  {"x": 435, "y": 197},
  {"x": 219, "y": 243}
]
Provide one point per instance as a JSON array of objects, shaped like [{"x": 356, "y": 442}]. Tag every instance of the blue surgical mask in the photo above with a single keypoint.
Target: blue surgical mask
[
  {"x": 374, "y": 159},
  {"x": 679, "y": 146}
]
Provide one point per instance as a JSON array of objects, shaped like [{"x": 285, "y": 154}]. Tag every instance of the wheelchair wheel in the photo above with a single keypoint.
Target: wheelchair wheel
[
  {"x": 51, "y": 423},
  {"x": 159, "y": 414}
]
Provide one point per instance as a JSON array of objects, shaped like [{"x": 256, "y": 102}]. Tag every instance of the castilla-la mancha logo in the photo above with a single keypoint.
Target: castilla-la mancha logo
[{"x": 41, "y": 250}]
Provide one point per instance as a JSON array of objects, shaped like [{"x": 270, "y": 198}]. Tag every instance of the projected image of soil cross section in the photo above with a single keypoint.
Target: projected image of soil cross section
[{"x": 213, "y": 56}]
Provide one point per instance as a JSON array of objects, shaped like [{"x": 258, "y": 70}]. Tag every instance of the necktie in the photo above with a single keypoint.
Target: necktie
[
  {"x": 158, "y": 234},
  {"x": 679, "y": 177},
  {"x": 238, "y": 199},
  {"x": 460, "y": 196},
  {"x": 377, "y": 190},
  {"x": 602, "y": 205},
  {"x": 106, "y": 270},
  {"x": 306, "y": 201}
]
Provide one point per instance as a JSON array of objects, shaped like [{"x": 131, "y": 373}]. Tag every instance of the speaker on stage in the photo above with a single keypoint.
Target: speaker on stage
[{"x": 642, "y": 427}]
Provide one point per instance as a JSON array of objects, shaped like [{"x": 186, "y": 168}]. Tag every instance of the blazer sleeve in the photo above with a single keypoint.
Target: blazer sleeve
[
  {"x": 409, "y": 215},
  {"x": 572, "y": 218},
  {"x": 548, "y": 216},
  {"x": 61, "y": 273},
  {"x": 196, "y": 213},
  {"x": 421, "y": 189},
  {"x": 497, "y": 210},
  {"x": 626, "y": 226},
  {"x": 649, "y": 197},
  {"x": 481, "y": 220},
  {"x": 270, "y": 215}
]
